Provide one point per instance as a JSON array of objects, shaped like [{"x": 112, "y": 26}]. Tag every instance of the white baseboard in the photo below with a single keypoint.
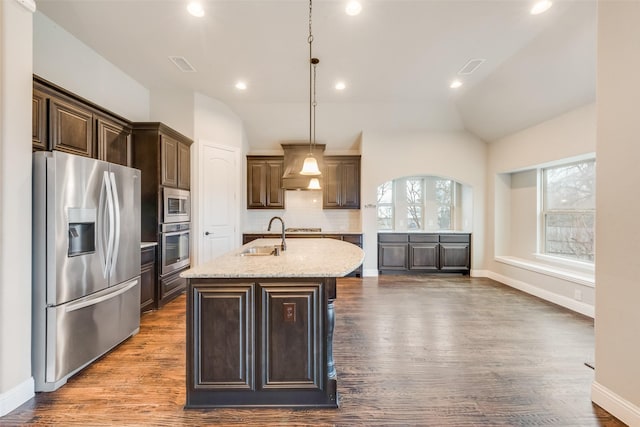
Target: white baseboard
[
  {"x": 571, "y": 304},
  {"x": 479, "y": 273},
  {"x": 15, "y": 397},
  {"x": 620, "y": 408},
  {"x": 368, "y": 272}
]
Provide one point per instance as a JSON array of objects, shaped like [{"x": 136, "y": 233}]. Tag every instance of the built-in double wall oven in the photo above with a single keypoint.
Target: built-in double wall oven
[
  {"x": 175, "y": 230},
  {"x": 174, "y": 246}
]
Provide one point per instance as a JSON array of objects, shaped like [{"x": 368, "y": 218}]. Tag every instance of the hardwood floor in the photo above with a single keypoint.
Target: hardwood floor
[{"x": 409, "y": 350}]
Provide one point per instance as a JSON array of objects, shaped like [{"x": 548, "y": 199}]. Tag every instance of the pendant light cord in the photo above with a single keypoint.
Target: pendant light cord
[{"x": 311, "y": 83}]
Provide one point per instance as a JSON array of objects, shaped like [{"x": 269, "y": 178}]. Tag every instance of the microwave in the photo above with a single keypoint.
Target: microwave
[{"x": 177, "y": 205}]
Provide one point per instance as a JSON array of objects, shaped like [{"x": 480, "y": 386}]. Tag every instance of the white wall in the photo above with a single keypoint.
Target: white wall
[
  {"x": 340, "y": 124},
  {"x": 567, "y": 136},
  {"x": 66, "y": 61},
  {"x": 303, "y": 210},
  {"x": 16, "y": 383},
  {"x": 456, "y": 155},
  {"x": 174, "y": 108},
  {"x": 617, "y": 387}
]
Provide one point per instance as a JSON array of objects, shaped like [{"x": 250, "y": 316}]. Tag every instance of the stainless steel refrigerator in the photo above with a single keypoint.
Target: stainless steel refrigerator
[{"x": 86, "y": 262}]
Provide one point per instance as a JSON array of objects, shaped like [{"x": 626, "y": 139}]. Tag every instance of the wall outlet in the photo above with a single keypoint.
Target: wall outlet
[{"x": 577, "y": 295}]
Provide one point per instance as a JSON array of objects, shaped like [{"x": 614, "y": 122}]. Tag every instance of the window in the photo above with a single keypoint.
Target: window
[
  {"x": 385, "y": 206},
  {"x": 417, "y": 203},
  {"x": 568, "y": 211},
  {"x": 414, "y": 190}
]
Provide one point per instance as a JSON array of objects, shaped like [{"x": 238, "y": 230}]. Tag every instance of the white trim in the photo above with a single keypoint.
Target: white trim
[
  {"x": 370, "y": 272},
  {"x": 480, "y": 273},
  {"x": 588, "y": 266},
  {"x": 561, "y": 300},
  {"x": 30, "y": 5},
  {"x": 585, "y": 279},
  {"x": 11, "y": 399},
  {"x": 620, "y": 408}
]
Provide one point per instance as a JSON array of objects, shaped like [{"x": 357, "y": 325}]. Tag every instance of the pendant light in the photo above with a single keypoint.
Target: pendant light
[
  {"x": 310, "y": 166},
  {"x": 314, "y": 184}
]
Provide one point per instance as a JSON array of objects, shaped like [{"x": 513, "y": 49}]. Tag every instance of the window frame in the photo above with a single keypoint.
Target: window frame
[{"x": 543, "y": 213}]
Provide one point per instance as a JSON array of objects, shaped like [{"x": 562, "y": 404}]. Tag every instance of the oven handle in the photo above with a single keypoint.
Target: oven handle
[{"x": 175, "y": 233}]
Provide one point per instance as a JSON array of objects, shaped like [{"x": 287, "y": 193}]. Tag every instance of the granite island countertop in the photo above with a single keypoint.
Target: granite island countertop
[
  {"x": 293, "y": 233},
  {"x": 312, "y": 257}
]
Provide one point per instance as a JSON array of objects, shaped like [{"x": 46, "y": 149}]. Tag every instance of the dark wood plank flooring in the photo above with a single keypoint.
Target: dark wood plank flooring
[{"x": 409, "y": 350}]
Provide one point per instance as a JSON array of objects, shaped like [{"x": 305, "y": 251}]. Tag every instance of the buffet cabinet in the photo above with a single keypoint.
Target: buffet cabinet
[
  {"x": 262, "y": 343},
  {"x": 424, "y": 253}
]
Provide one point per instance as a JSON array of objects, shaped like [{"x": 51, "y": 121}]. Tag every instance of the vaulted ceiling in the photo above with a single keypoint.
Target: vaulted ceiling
[{"x": 397, "y": 59}]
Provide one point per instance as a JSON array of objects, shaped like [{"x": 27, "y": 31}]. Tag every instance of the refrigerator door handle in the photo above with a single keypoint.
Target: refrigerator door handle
[
  {"x": 116, "y": 231},
  {"x": 109, "y": 263},
  {"x": 93, "y": 301}
]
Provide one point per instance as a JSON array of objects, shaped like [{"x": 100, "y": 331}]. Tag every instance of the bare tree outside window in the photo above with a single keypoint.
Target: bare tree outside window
[
  {"x": 385, "y": 206},
  {"x": 414, "y": 203},
  {"x": 444, "y": 201},
  {"x": 424, "y": 202},
  {"x": 569, "y": 210}
]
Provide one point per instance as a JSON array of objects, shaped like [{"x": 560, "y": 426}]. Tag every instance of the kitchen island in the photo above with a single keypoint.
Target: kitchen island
[{"x": 260, "y": 328}]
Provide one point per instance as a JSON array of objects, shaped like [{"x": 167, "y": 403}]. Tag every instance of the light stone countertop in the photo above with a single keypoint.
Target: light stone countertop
[
  {"x": 319, "y": 233},
  {"x": 312, "y": 257}
]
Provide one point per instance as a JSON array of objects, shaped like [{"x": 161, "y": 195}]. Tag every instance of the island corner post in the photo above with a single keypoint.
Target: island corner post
[{"x": 260, "y": 328}]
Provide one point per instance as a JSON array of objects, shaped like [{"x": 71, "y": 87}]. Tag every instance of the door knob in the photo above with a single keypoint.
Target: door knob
[{"x": 206, "y": 233}]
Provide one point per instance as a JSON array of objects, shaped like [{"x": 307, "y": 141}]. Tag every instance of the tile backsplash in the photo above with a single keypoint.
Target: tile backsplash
[{"x": 303, "y": 210}]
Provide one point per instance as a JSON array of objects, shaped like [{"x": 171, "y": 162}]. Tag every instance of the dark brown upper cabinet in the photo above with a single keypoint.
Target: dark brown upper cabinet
[
  {"x": 341, "y": 182},
  {"x": 175, "y": 165},
  {"x": 264, "y": 182},
  {"x": 66, "y": 122},
  {"x": 169, "y": 161},
  {"x": 162, "y": 154},
  {"x": 39, "y": 137},
  {"x": 71, "y": 127},
  {"x": 184, "y": 166},
  {"x": 114, "y": 141}
]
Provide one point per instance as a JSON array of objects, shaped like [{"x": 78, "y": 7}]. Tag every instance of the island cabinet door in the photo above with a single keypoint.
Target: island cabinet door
[
  {"x": 223, "y": 337},
  {"x": 291, "y": 329}
]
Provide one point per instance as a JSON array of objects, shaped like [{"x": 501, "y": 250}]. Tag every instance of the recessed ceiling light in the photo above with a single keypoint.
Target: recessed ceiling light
[
  {"x": 353, "y": 8},
  {"x": 241, "y": 86},
  {"x": 455, "y": 84},
  {"x": 540, "y": 7},
  {"x": 340, "y": 86},
  {"x": 195, "y": 8}
]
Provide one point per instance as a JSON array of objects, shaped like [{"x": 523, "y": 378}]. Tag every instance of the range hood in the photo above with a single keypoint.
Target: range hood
[{"x": 294, "y": 155}]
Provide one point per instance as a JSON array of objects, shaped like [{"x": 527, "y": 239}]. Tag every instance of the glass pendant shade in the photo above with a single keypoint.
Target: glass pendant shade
[
  {"x": 314, "y": 184},
  {"x": 310, "y": 166}
]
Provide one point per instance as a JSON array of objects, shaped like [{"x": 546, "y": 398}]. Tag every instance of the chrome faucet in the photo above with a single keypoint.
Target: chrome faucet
[{"x": 283, "y": 245}]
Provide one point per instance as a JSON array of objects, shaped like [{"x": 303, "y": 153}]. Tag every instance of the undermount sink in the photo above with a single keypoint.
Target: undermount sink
[{"x": 260, "y": 251}]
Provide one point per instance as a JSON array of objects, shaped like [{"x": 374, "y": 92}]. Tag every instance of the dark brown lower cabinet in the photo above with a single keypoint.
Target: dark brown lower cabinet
[
  {"x": 148, "y": 279},
  {"x": 171, "y": 285},
  {"x": 260, "y": 343}
]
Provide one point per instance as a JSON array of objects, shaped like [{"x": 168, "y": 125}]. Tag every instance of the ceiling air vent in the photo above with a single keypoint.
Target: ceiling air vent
[
  {"x": 182, "y": 64},
  {"x": 471, "y": 66}
]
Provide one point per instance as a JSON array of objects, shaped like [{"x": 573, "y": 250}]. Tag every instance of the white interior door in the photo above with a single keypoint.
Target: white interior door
[{"x": 218, "y": 216}]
